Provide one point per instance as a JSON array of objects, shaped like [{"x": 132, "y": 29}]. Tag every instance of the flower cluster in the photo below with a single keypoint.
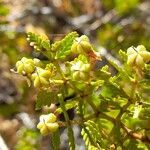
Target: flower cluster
[
  {"x": 81, "y": 45},
  {"x": 25, "y": 66},
  {"x": 80, "y": 68},
  {"x": 47, "y": 124},
  {"x": 33, "y": 69},
  {"x": 138, "y": 56},
  {"x": 41, "y": 77}
]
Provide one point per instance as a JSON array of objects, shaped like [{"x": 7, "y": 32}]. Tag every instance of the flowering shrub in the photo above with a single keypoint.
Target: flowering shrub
[{"x": 112, "y": 110}]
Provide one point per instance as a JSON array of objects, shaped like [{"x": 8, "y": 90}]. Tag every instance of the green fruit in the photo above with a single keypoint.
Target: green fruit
[
  {"x": 40, "y": 82},
  {"x": 79, "y": 70},
  {"x": 44, "y": 81},
  {"x": 80, "y": 66}
]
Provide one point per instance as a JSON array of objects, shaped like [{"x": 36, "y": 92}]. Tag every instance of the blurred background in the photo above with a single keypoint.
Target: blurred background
[{"x": 110, "y": 24}]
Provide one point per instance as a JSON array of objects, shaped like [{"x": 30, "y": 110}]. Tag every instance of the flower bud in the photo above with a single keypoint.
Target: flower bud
[
  {"x": 85, "y": 45},
  {"x": 78, "y": 75},
  {"x": 80, "y": 66},
  {"x": 145, "y": 55},
  {"x": 141, "y": 48},
  {"x": 37, "y": 62},
  {"x": 47, "y": 124},
  {"x": 84, "y": 38},
  {"x": 85, "y": 67},
  {"x": 41, "y": 77},
  {"x": 130, "y": 51},
  {"x": 138, "y": 56},
  {"x": 37, "y": 82},
  {"x": 25, "y": 66},
  {"x": 80, "y": 70},
  {"x": 139, "y": 61},
  {"x": 131, "y": 59},
  {"x": 81, "y": 45}
]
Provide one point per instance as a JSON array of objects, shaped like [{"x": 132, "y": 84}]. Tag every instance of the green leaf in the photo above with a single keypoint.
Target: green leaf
[
  {"x": 132, "y": 144},
  {"x": 38, "y": 42},
  {"x": 94, "y": 131},
  {"x": 70, "y": 130},
  {"x": 56, "y": 140},
  {"x": 68, "y": 105},
  {"x": 115, "y": 65},
  {"x": 116, "y": 134},
  {"x": 44, "y": 98},
  {"x": 91, "y": 135},
  {"x": 110, "y": 91},
  {"x": 71, "y": 138},
  {"x": 123, "y": 55},
  {"x": 64, "y": 47}
]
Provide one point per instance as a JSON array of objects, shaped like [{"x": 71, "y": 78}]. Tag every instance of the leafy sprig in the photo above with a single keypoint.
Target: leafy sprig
[{"x": 111, "y": 108}]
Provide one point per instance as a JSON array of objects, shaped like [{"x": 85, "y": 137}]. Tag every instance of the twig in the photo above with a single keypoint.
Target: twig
[{"x": 135, "y": 135}]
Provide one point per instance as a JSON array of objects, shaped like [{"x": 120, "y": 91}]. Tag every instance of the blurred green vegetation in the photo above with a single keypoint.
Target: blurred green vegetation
[{"x": 123, "y": 7}]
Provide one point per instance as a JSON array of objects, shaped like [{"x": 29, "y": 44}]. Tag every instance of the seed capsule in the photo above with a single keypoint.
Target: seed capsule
[
  {"x": 41, "y": 77},
  {"x": 80, "y": 70},
  {"x": 131, "y": 59},
  {"x": 139, "y": 61},
  {"x": 145, "y": 55},
  {"x": 47, "y": 124},
  {"x": 79, "y": 76},
  {"x": 81, "y": 45},
  {"x": 25, "y": 66},
  {"x": 138, "y": 56}
]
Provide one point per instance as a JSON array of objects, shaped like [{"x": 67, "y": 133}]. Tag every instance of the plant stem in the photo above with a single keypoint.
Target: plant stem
[{"x": 70, "y": 131}]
